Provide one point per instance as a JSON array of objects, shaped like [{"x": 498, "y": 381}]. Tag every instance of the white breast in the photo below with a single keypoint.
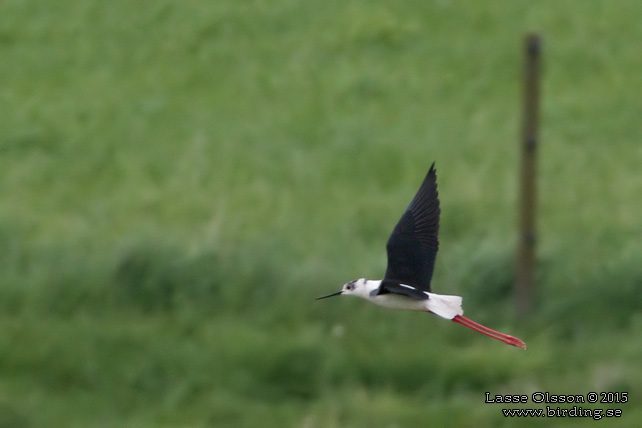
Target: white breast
[
  {"x": 397, "y": 301},
  {"x": 444, "y": 306}
]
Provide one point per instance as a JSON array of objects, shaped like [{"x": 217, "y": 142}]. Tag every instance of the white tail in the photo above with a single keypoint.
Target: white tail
[{"x": 445, "y": 306}]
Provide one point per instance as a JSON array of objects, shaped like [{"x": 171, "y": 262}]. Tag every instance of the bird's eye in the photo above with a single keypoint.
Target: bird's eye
[{"x": 350, "y": 286}]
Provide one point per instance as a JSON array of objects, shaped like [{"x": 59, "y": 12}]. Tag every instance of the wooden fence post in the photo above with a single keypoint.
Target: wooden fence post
[{"x": 528, "y": 190}]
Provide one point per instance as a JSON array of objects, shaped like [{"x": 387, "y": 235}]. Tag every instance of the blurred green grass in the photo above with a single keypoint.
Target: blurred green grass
[{"x": 178, "y": 181}]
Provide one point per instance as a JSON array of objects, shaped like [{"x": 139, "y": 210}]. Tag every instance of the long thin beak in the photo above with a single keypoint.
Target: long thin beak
[{"x": 330, "y": 295}]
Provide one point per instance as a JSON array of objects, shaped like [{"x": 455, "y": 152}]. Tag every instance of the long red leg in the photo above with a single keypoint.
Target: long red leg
[{"x": 510, "y": 340}]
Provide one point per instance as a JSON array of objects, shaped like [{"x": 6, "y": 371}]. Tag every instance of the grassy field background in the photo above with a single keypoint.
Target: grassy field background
[{"x": 179, "y": 180}]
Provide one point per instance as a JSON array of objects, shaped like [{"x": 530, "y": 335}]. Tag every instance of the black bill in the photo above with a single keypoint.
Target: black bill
[{"x": 330, "y": 295}]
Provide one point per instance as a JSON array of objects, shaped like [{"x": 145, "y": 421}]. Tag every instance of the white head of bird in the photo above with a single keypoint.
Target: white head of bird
[{"x": 361, "y": 287}]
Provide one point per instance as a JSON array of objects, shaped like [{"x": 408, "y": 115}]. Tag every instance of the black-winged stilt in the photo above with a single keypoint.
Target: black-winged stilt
[{"x": 412, "y": 249}]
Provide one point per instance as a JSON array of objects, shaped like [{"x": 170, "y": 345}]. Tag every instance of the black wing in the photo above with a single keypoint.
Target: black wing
[
  {"x": 413, "y": 244},
  {"x": 394, "y": 287}
]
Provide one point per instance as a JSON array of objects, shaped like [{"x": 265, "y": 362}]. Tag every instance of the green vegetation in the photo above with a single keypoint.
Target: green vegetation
[{"x": 179, "y": 180}]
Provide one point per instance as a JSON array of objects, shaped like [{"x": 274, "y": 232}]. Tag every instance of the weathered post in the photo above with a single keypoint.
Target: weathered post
[{"x": 528, "y": 189}]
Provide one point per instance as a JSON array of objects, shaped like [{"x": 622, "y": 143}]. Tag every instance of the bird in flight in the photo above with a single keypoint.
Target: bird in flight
[{"x": 412, "y": 250}]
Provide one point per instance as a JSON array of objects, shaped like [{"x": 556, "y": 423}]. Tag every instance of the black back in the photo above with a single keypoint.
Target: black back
[{"x": 413, "y": 244}]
